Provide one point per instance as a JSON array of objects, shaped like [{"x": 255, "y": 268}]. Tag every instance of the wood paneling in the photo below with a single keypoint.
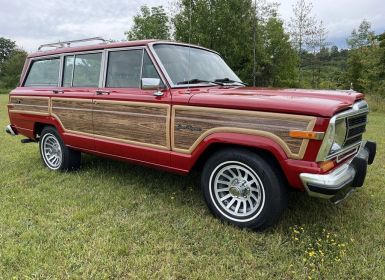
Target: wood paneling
[
  {"x": 145, "y": 123},
  {"x": 192, "y": 124},
  {"x": 29, "y": 105},
  {"x": 75, "y": 115}
]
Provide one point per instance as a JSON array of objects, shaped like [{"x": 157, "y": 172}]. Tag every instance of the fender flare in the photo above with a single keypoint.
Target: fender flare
[{"x": 246, "y": 140}]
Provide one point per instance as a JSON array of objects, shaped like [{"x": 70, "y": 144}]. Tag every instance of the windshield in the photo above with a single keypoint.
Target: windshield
[{"x": 187, "y": 65}]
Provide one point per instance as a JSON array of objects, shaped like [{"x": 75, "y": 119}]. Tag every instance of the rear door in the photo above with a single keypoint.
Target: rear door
[
  {"x": 29, "y": 103},
  {"x": 72, "y": 103},
  {"x": 130, "y": 122}
]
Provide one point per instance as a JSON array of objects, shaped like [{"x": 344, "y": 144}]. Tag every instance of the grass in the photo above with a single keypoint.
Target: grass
[{"x": 115, "y": 220}]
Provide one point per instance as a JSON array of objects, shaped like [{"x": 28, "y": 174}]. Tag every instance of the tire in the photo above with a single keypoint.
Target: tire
[
  {"x": 55, "y": 155},
  {"x": 244, "y": 189}
]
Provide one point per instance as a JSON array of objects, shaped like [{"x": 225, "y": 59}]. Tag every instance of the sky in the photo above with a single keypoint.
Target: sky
[{"x": 34, "y": 22}]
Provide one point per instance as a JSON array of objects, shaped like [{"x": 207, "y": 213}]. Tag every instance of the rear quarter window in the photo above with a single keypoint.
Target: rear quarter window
[{"x": 43, "y": 73}]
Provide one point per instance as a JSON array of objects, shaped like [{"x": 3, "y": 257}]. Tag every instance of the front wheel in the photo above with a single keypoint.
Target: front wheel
[
  {"x": 55, "y": 155},
  {"x": 242, "y": 188}
]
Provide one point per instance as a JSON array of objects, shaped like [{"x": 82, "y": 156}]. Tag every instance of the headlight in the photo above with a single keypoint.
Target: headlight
[{"x": 339, "y": 136}]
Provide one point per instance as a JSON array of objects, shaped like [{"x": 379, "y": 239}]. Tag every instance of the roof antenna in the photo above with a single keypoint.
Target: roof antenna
[
  {"x": 254, "y": 42},
  {"x": 189, "y": 51}
]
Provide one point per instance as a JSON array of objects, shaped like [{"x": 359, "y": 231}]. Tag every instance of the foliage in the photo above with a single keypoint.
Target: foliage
[
  {"x": 6, "y": 48},
  {"x": 302, "y": 24},
  {"x": 150, "y": 23},
  {"x": 366, "y": 69},
  {"x": 113, "y": 220},
  {"x": 280, "y": 58},
  {"x": 12, "y": 68},
  {"x": 362, "y": 37},
  {"x": 227, "y": 27}
]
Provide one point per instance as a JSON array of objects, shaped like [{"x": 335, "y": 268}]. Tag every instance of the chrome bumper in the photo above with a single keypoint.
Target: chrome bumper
[
  {"x": 340, "y": 182},
  {"x": 10, "y": 131}
]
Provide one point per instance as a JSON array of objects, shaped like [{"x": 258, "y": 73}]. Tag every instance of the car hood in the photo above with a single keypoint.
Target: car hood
[{"x": 323, "y": 103}]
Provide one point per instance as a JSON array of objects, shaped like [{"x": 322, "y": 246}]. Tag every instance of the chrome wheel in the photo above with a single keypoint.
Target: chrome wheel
[
  {"x": 51, "y": 151},
  {"x": 237, "y": 191}
]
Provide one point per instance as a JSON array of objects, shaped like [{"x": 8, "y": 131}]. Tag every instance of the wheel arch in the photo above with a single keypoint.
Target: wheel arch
[
  {"x": 41, "y": 123},
  {"x": 264, "y": 147}
]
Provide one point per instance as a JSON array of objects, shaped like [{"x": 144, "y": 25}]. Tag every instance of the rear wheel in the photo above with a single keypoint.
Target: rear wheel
[
  {"x": 55, "y": 155},
  {"x": 242, "y": 188}
]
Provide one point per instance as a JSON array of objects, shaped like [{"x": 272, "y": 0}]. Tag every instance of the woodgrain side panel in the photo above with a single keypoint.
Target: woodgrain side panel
[
  {"x": 29, "y": 105},
  {"x": 145, "y": 123},
  {"x": 192, "y": 124},
  {"x": 74, "y": 114}
]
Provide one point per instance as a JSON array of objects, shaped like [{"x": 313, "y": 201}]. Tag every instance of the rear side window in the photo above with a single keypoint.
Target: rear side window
[
  {"x": 43, "y": 73},
  {"x": 82, "y": 70},
  {"x": 68, "y": 71},
  {"x": 124, "y": 69}
]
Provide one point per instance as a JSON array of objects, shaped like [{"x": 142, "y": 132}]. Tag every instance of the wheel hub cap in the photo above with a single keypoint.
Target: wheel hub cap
[
  {"x": 237, "y": 190},
  {"x": 51, "y": 151}
]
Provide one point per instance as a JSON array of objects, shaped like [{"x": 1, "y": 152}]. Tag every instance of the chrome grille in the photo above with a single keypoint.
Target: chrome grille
[
  {"x": 356, "y": 126},
  {"x": 355, "y": 119}
]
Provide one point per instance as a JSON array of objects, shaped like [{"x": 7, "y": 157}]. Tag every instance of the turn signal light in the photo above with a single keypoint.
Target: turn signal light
[
  {"x": 326, "y": 165},
  {"x": 306, "y": 134}
]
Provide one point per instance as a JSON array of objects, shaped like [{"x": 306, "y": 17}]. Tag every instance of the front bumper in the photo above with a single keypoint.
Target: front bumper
[{"x": 339, "y": 183}]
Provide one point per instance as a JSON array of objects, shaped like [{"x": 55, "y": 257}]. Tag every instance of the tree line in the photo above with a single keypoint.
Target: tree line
[{"x": 256, "y": 43}]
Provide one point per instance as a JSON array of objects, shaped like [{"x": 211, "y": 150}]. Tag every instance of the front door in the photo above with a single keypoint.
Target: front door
[{"x": 128, "y": 121}]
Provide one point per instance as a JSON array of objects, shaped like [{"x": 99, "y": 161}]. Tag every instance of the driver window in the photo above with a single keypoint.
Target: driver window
[{"x": 124, "y": 69}]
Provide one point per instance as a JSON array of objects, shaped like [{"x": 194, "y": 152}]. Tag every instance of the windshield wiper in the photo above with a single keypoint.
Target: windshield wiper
[
  {"x": 199, "y": 81},
  {"x": 229, "y": 81}
]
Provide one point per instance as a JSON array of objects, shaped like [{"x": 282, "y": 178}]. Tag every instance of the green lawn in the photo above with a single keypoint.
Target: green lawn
[{"x": 115, "y": 220}]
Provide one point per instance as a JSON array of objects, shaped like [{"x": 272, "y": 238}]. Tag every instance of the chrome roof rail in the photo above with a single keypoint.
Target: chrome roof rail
[{"x": 68, "y": 43}]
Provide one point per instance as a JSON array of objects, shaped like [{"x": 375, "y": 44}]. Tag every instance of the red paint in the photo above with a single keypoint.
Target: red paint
[{"x": 322, "y": 104}]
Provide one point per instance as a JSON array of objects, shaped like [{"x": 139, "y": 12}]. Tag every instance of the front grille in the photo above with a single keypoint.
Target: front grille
[{"x": 356, "y": 126}]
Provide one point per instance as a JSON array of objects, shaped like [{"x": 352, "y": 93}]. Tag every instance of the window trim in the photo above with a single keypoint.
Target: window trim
[{"x": 41, "y": 58}]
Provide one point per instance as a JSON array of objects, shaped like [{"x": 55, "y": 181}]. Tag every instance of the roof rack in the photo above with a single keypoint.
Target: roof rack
[{"x": 68, "y": 43}]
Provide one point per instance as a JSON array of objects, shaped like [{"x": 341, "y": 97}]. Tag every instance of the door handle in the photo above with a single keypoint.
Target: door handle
[
  {"x": 56, "y": 91},
  {"x": 158, "y": 93},
  {"x": 102, "y": 92}
]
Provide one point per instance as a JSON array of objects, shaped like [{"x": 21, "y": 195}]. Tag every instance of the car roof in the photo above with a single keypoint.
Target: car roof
[{"x": 103, "y": 46}]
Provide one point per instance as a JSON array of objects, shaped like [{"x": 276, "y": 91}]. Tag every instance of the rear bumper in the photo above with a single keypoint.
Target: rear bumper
[{"x": 340, "y": 182}]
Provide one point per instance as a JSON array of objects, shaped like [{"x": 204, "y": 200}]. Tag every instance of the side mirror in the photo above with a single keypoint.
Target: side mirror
[{"x": 151, "y": 83}]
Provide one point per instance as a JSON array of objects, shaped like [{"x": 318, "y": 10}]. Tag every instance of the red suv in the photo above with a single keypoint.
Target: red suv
[{"x": 178, "y": 107}]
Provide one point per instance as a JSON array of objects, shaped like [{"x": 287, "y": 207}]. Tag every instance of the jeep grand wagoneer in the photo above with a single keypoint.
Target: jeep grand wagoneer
[{"x": 179, "y": 107}]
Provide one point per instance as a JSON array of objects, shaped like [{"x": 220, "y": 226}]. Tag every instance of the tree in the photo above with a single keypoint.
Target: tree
[
  {"x": 317, "y": 44},
  {"x": 150, "y": 23},
  {"x": 359, "y": 56},
  {"x": 12, "y": 68},
  {"x": 263, "y": 10},
  {"x": 362, "y": 37},
  {"x": 302, "y": 27},
  {"x": 225, "y": 26},
  {"x": 281, "y": 59},
  {"x": 6, "y": 48},
  {"x": 229, "y": 26},
  {"x": 365, "y": 61}
]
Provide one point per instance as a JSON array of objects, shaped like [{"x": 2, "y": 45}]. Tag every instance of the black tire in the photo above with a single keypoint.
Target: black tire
[
  {"x": 258, "y": 188},
  {"x": 66, "y": 159}
]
